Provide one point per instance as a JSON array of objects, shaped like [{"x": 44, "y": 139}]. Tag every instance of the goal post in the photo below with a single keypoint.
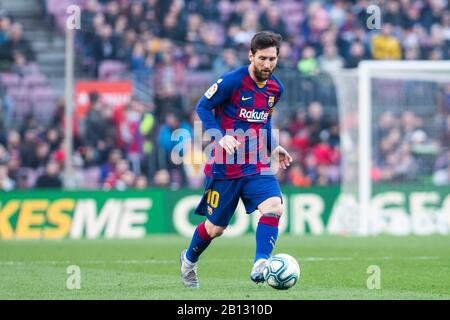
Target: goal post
[{"x": 398, "y": 91}]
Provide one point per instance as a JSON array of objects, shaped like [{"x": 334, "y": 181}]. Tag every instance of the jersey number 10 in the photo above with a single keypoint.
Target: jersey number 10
[{"x": 212, "y": 198}]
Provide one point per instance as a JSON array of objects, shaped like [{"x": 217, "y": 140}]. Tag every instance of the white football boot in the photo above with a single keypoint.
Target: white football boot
[
  {"x": 257, "y": 272},
  {"x": 188, "y": 272}
]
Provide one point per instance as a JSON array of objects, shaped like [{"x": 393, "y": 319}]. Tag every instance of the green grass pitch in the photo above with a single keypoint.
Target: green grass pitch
[{"x": 331, "y": 268}]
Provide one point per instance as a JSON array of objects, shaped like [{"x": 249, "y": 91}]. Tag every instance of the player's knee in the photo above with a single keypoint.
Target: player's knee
[
  {"x": 278, "y": 209},
  {"x": 216, "y": 232},
  {"x": 273, "y": 207},
  {"x": 213, "y": 230}
]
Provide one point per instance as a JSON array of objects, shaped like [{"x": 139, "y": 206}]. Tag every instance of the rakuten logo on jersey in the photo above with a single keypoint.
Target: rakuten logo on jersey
[{"x": 253, "y": 115}]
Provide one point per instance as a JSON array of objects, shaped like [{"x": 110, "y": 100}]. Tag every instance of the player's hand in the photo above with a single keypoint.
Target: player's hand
[
  {"x": 282, "y": 157},
  {"x": 229, "y": 143}
]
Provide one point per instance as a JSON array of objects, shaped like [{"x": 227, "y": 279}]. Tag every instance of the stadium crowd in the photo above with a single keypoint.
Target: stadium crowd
[
  {"x": 129, "y": 147},
  {"x": 318, "y": 35}
]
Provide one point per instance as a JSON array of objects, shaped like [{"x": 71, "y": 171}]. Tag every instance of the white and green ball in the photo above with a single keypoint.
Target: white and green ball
[{"x": 281, "y": 272}]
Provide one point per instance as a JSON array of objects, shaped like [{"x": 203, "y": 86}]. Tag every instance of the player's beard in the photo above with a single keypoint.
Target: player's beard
[{"x": 262, "y": 76}]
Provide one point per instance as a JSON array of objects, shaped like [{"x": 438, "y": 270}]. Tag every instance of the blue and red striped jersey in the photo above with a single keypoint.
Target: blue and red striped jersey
[{"x": 238, "y": 105}]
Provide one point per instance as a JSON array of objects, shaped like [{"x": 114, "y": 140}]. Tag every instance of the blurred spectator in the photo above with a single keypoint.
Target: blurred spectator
[
  {"x": 20, "y": 64},
  {"x": 311, "y": 167},
  {"x": 442, "y": 177},
  {"x": 136, "y": 16},
  {"x": 6, "y": 184},
  {"x": 193, "y": 164},
  {"x": 106, "y": 169},
  {"x": 393, "y": 14},
  {"x": 3, "y": 155},
  {"x": 271, "y": 20},
  {"x": 323, "y": 152},
  {"x": 42, "y": 155},
  {"x": 286, "y": 60},
  {"x": 22, "y": 181},
  {"x": 298, "y": 123},
  {"x": 141, "y": 182},
  {"x": 194, "y": 26},
  {"x": 112, "y": 11},
  {"x": 96, "y": 124},
  {"x": 316, "y": 121},
  {"x": 173, "y": 28},
  {"x": 13, "y": 144},
  {"x": 90, "y": 10},
  {"x": 105, "y": 46},
  {"x": 357, "y": 54},
  {"x": 16, "y": 43},
  {"x": 5, "y": 25},
  {"x": 14, "y": 168},
  {"x": 208, "y": 10},
  {"x": 28, "y": 149},
  {"x": 125, "y": 44},
  {"x": 315, "y": 23},
  {"x": 445, "y": 133},
  {"x": 249, "y": 26},
  {"x": 53, "y": 138},
  {"x": 167, "y": 98},
  {"x": 89, "y": 156},
  {"x": 171, "y": 124},
  {"x": 138, "y": 57},
  {"x": 51, "y": 177},
  {"x": 226, "y": 62},
  {"x": 385, "y": 45},
  {"x": 161, "y": 178},
  {"x": 298, "y": 177},
  {"x": 308, "y": 63},
  {"x": 126, "y": 181},
  {"x": 119, "y": 177},
  {"x": 400, "y": 165},
  {"x": 131, "y": 135},
  {"x": 330, "y": 61},
  {"x": 322, "y": 176}
]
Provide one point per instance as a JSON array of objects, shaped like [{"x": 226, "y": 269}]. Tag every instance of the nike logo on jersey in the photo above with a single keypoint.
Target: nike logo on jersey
[{"x": 246, "y": 98}]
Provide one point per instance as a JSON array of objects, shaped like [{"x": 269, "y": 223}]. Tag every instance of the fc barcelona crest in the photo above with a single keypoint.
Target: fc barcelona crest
[{"x": 271, "y": 101}]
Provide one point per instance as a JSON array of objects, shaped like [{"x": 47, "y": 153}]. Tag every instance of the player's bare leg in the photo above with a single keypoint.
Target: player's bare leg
[
  {"x": 266, "y": 235},
  {"x": 203, "y": 235}
]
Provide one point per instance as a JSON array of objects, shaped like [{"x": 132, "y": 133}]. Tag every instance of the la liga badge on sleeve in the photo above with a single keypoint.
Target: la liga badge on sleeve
[{"x": 211, "y": 91}]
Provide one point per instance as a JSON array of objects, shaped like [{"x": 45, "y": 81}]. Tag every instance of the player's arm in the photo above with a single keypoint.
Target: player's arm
[
  {"x": 272, "y": 143},
  {"x": 276, "y": 151},
  {"x": 216, "y": 95}
]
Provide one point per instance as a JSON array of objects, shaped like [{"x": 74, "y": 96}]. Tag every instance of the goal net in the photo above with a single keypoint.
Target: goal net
[{"x": 395, "y": 145}]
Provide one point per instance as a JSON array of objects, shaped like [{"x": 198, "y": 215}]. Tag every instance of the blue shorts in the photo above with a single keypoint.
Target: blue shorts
[{"x": 221, "y": 196}]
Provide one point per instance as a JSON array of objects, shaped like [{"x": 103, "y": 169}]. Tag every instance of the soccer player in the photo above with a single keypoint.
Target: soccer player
[{"x": 243, "y": 100}]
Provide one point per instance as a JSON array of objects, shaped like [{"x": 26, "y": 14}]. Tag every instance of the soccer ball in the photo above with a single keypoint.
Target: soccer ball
[{"x": 281, "y": 272}]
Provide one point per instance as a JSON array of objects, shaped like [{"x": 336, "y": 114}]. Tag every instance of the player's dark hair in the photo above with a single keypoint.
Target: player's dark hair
[{"x": 265, "y": 39}]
